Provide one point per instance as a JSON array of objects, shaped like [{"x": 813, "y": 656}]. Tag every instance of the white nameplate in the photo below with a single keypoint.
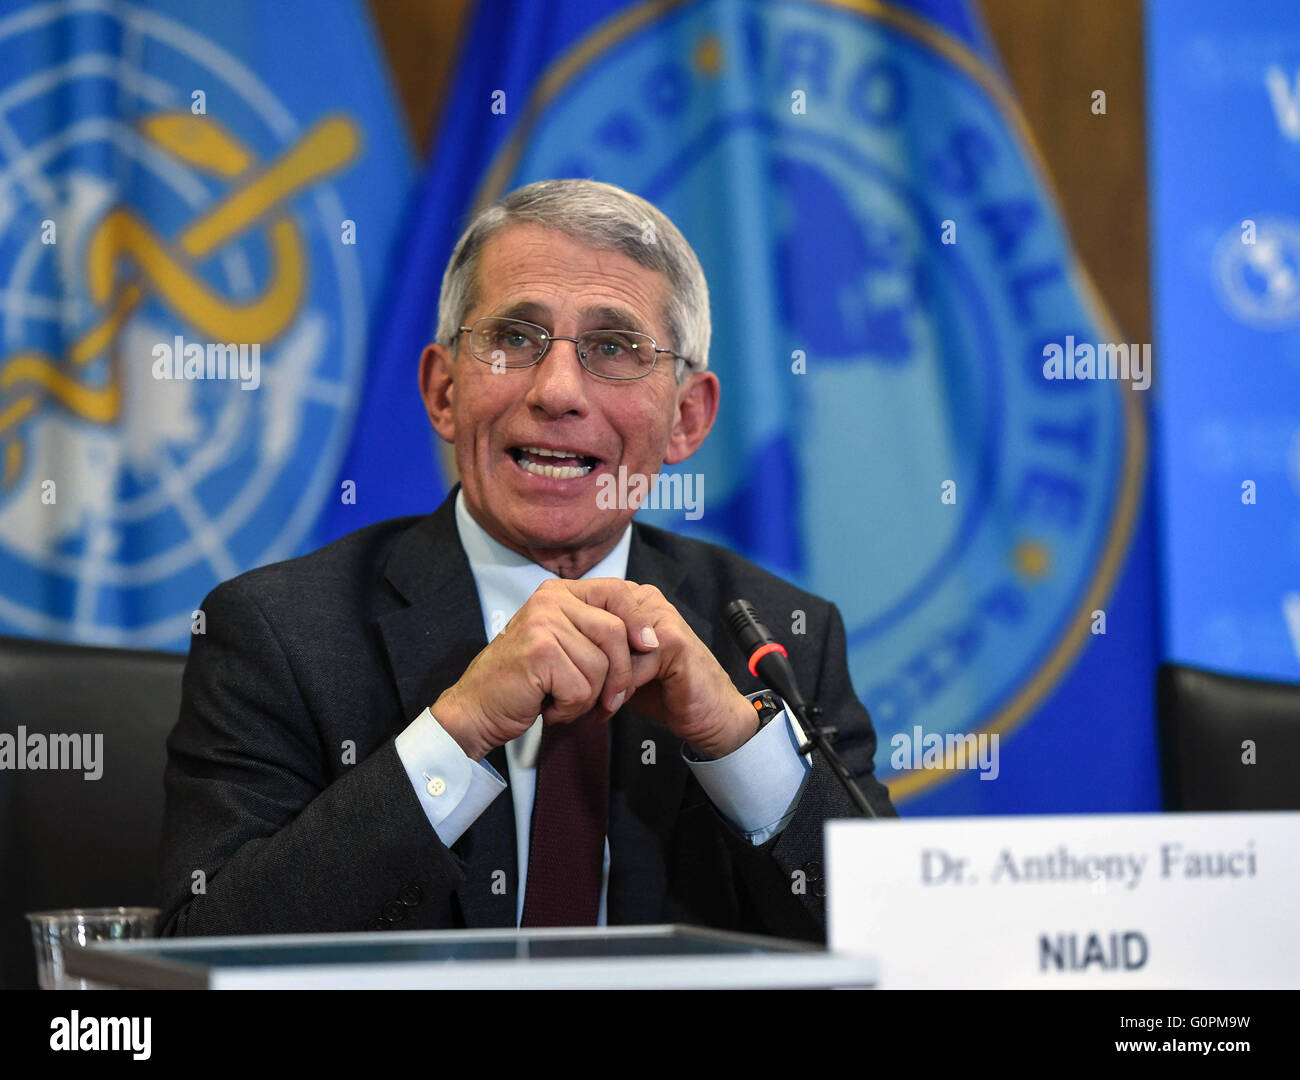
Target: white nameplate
[{"x": 1096, "y": 900}]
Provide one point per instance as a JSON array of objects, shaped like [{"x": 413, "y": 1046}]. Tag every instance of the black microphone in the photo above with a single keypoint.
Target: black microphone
[
  {"x": 768, "y": 661},
  {"x": 766, "y": 656}
]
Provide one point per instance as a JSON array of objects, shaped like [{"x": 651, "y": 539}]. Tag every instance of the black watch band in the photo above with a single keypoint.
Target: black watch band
[{"x": 768, "y": 705}]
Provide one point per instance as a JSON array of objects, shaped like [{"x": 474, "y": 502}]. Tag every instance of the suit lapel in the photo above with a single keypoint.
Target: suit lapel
[
  {"x": 439, "y": 630},
  {"x": 645, "y": 798},
  {"x": 430, "y": 642}
]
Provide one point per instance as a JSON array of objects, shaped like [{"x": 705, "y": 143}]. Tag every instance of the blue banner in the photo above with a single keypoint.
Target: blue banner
[
  {"x": 194, "y": 221},
  {"x": 888, "y": 274},
  {"x": 1224, "y": 93}
]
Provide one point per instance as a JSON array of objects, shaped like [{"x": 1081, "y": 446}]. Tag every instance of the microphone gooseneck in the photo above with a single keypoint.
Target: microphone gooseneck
[{"x": 769, "y": 661}]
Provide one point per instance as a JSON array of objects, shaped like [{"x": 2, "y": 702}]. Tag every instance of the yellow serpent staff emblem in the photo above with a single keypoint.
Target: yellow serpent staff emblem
[{"x": 168, "y": 269}]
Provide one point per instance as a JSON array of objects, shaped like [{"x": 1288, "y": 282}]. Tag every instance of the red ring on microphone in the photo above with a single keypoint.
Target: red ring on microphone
[{"x": 762, "y": 651}]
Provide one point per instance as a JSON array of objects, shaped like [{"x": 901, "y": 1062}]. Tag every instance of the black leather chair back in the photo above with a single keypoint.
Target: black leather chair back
[
  {"x": 67, "y": 841},
  {"x": 1205, "y": 720}
]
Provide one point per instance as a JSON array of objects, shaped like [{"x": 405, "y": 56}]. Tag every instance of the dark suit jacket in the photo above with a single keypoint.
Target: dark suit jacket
[{"x": 285, "y": 790}]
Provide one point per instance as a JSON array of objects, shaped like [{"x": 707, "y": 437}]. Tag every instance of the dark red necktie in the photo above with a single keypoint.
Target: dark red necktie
[{"x": 566, "y": 846}]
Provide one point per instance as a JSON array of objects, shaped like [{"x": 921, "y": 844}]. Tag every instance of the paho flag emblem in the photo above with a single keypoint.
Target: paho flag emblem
[{"x": 886, "y": 269}]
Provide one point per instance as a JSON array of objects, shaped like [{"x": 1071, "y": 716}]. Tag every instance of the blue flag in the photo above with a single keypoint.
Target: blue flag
[
  {"x": 193, "y": 227},
  {"x": 1224, "y": 91},
  {"x": 889, "y": 280}
]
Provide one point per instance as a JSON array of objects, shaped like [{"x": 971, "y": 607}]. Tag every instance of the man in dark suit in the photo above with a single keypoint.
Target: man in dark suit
[{"x": 350, "y": 718}]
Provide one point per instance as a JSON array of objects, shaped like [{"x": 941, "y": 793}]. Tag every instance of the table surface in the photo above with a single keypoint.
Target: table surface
[{"x": 666, "y": 956}]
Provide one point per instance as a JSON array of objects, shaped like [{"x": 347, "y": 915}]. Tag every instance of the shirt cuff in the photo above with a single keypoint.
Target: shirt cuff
[
  {"x": 757, "y": 786},
  {"x": 452, "y": 788}
]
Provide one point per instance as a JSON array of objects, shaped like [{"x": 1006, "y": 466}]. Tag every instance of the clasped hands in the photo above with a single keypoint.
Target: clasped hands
[{"x": 590, "y": 646}]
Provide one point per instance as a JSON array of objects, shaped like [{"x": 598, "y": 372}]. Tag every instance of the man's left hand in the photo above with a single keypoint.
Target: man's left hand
[{"x": 681, "y": 684}]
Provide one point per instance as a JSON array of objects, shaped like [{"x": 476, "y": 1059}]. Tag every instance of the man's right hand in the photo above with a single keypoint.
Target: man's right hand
[{"x": 559, "y": 658}]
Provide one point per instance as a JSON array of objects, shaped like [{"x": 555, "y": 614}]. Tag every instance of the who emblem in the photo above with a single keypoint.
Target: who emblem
[
  {"x": 157, "y": 198},
  {"x": 1257, "y": 276}
]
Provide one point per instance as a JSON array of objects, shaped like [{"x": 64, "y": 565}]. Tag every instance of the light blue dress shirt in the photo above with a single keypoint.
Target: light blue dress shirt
[{"x": 756, "y": 788}]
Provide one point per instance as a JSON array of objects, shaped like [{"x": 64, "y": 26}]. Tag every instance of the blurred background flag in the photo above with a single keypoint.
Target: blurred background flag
[
  {"x": 1224, "y": 92},
  {"x": 197, "y": 203},
  {"x": 888, "y": 271}
]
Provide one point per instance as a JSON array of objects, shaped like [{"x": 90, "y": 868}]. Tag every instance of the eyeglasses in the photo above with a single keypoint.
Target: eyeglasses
[{"x": 608, "y": 354}]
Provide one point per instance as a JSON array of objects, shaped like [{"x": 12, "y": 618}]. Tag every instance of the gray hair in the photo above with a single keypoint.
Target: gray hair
[{"x": 601, "y": 216}]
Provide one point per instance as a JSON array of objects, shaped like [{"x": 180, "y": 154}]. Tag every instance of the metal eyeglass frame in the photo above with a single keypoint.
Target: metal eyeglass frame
[{"x": 549, "y": 338}]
